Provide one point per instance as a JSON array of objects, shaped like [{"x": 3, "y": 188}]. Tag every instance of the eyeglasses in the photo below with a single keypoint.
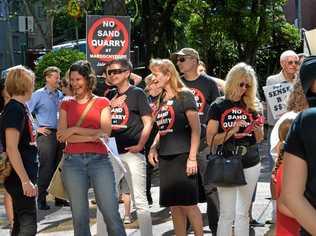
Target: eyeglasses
[
  {"x": 293, "y": 62},
  {"x": 181, "y": 59},
  {"x": 115, "y": 71},
  {"x": 244, "y": 85}
]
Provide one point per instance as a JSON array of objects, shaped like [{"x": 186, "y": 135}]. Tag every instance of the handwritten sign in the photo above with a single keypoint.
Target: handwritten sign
[{"x": 276, "y": 96}]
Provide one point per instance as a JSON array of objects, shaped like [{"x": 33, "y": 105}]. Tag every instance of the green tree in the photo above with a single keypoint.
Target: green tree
[{"x": 62, "y": 59}]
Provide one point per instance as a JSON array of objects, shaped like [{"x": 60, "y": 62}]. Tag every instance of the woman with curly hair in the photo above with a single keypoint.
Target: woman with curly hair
[{"x": 237, "y": 118}]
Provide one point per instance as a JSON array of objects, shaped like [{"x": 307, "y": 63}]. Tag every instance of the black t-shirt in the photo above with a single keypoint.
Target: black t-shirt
[
  {"x": 154, "y": 103},
  {"x": 301, "y": 142},
  {"x": 15, "y": 116},
  {"x": 127, "y": 124},
  {"x": 226, "y": 112},
  {"x": 205, "y": 91},
  {"x": 173, "y": 126}
]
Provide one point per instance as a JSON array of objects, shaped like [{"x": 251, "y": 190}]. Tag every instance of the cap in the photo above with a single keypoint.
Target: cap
[
  {"x": 307, "y": 72},
  {"x": 186, "y": 52}
]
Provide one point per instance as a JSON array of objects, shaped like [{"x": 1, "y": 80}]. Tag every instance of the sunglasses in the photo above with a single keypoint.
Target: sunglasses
[
  {"x": 293, "y": 62},
  {"x": 115, "y": 71},
  {"x": 244, "y": 85},
  {"x": 181, "y": 59}
]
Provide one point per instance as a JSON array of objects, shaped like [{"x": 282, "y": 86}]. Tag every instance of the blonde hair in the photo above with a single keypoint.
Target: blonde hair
[
  {"x": 165, "y": 66},
  {"x": 232, "y": 83},
  {"x": 296, "y": 100},
  {"x": 19, "y": 81}
]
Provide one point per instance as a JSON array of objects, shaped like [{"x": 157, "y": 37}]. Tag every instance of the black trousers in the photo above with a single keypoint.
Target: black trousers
[
  {"x": 24, "y": 209},
  {"x": 210, "y": 192},
  {"x": 47, "y": 151}
]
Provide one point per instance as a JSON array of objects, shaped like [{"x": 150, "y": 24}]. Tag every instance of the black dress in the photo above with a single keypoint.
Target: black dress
[{"x": 176, "y": 188}]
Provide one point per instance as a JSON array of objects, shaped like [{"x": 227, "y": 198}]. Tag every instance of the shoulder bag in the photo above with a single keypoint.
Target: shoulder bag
[
  {"x": 223, "y": 169},
  {"x": 56, "y": 186}
]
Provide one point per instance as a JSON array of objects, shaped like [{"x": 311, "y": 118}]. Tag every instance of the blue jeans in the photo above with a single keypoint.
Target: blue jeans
[{"x": 80, "y": 171}]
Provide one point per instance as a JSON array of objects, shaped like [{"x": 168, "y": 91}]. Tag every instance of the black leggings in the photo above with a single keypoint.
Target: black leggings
[{"x": 24, "y": 209}]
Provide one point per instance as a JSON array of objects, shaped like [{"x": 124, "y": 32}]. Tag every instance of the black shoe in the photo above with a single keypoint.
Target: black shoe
[
  {"x": 150, "y": 200},
  {"x": 42, "y": 205},
  {"x": 254, "y": 223},
  {"x": 61, "y": 203}
]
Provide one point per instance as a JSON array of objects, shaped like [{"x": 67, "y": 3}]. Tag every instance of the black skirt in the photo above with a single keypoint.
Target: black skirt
[{"x": 176, "y": 188}]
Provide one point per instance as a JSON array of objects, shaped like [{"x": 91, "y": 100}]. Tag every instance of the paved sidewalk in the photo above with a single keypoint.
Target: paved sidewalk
[{"x": 57, "y": 221}]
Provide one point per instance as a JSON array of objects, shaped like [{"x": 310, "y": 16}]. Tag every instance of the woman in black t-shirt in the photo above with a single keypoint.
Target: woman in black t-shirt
[
  {"x": 18, "y": 140},
  {"x": 179, "y": 136},
  {"x": 236, "y": 116}
]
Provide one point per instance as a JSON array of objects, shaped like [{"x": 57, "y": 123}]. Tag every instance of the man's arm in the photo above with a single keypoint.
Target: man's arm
[
  {"x": 292, "y": 194},
  {"x": 148, "y": 124}
]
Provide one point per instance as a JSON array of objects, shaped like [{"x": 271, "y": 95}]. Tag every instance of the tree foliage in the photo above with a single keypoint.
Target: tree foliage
[
  {"x": 223, "y": 31},
  {"x": 62, "y": 59}
]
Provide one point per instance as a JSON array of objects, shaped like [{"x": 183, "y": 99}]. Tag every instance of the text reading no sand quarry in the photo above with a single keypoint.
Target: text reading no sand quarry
[{"x": 109, "y": 36}]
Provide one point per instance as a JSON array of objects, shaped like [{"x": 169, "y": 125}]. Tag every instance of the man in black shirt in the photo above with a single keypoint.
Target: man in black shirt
[
  {"x": 131, "y": 127},
  {"x": 299, "y": 180},
  {"x": 205, "y": 91}
]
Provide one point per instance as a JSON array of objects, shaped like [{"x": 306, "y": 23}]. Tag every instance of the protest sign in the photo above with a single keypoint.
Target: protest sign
[
  {"x": 276, "y": 96},
  {"x": 108, "y": 38}
]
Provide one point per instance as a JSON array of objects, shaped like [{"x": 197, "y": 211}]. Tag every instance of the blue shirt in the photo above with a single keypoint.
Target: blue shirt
[{"x": 45, "y": 104}]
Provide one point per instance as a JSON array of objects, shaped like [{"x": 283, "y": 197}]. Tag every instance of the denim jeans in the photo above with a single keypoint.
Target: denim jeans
[
  {"x": 80, "y": 171},
  {"x": 234, "y": 204}
]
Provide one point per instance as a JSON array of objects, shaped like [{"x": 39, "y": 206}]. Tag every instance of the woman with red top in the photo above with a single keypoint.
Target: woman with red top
[
  {"x": 286, "y": 225},
  {"x": 86, "y": 162}
]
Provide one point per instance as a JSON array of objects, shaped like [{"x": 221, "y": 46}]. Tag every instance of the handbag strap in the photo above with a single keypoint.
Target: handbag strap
[
  {"x": 212, "y": 142},
  {"x": 85, "y": 111}
]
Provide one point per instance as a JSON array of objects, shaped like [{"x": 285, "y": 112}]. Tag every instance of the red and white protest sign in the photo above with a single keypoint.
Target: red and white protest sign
[{"x": 108, "y": 37}]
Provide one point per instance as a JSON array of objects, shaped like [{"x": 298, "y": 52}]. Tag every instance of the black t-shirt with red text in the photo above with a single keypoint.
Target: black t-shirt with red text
[
  {"x": 173, "y": 126},
  {"x": 205, "y": 91},
  {"x": 127, "y": 122},
  {"x": 226, "y": 112},
  {"x": 16, "y": 116}
]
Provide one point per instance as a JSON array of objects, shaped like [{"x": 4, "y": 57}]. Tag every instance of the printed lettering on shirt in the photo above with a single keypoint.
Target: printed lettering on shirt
[
  {"x": 230, "y": 116},
  {"x": 199, "y": 99},
  {"x": 165, "y": 119},
  {"x": 31, "y": 129},
  {"x": 120, "y": 117}
]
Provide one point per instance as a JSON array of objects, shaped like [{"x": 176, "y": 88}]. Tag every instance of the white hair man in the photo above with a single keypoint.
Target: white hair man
[{"x": 289, "y": 62}]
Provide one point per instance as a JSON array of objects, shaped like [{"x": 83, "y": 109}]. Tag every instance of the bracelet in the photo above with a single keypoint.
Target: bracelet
[
  {"x": 191, "y": 159},
  {"x": 26, "y": 182}
]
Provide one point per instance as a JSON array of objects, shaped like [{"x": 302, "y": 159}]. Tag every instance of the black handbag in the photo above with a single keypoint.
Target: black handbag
[{"x": 224, "y": 170}]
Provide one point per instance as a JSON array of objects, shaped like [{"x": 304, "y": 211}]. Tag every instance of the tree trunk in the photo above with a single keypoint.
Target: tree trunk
[
  {"x": 115, "y": 7},
  {"x": 29, "y": 8}
]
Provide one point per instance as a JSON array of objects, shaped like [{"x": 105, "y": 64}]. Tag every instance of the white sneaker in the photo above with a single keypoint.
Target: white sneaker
[{"x": 127, "y": 220}]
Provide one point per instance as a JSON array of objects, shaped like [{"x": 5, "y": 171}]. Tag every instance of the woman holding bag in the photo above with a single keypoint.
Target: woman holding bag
[
  {"x": 236, "y": 118},
  {"x": 86, "y": 162}
]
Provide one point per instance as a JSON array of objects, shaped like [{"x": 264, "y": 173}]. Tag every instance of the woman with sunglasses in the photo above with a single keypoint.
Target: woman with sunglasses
[
  {"x": 86, "y": 162},
  {"x": 179, "y": 138},
  {"x": 237, "y": 117}
]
